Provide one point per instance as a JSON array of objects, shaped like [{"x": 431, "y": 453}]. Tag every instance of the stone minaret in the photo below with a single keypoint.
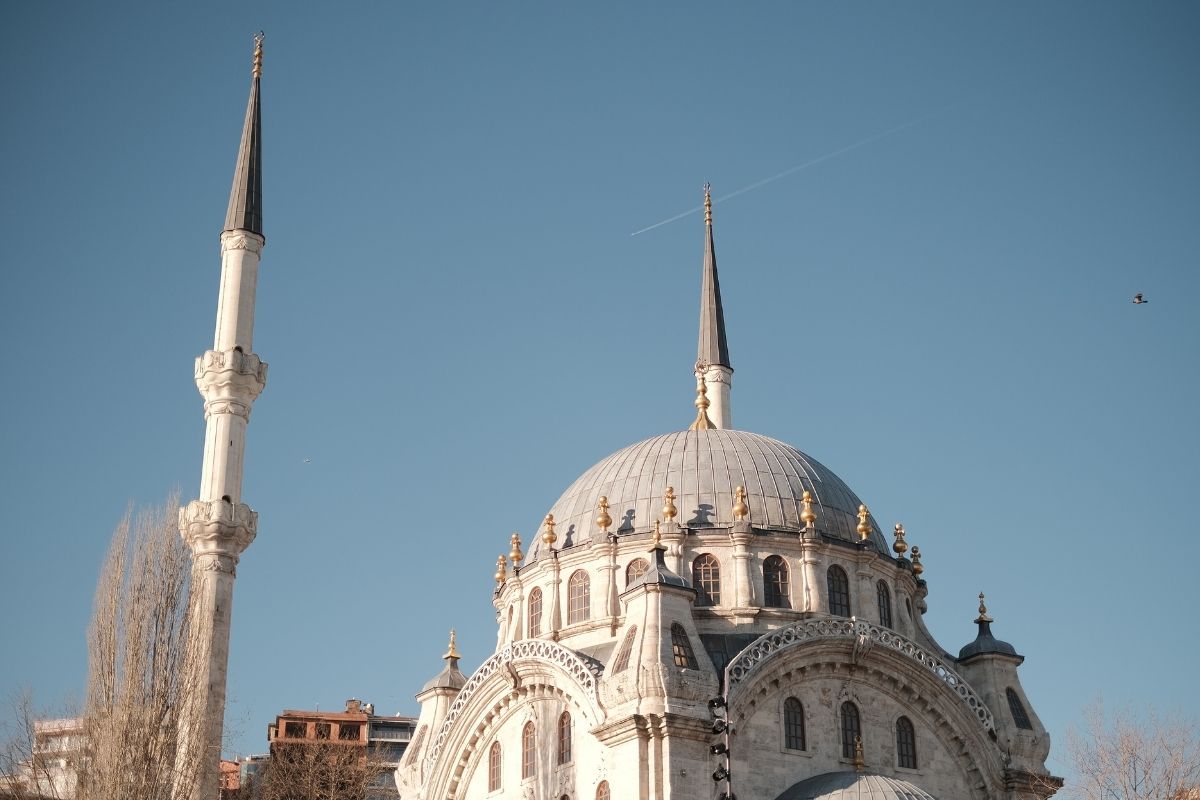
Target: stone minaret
[
  {"x": 712, "y": 356},
  {"x": 219, "y": 526}
]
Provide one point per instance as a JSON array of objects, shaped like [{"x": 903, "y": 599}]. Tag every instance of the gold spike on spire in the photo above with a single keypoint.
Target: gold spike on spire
[
  {"x": 860, "y": 763},
  {"x": 864, "y": 527},
  {"x": 669, "y": 511},
  {"x": 708, "y": 204},
  {"x": 916, "y": 561},
  {"x": 900, "y": 546},
  {"x": 549, "y": 537},
  {"x": 702, "y": 423},
  {"x": 807, "y": 515},
  {"x": 515, "y": 553},
  {"x": 740, "y": 509},
  {"x": 603, "y": 518},
  {"x": 452, "y": 650},
  {"x": 258, "y": 40},
  {"x": 501, "y": 572},
  {"x": 983, "y": 615}
]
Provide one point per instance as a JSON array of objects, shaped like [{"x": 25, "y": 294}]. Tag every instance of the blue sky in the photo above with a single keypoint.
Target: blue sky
[{"x": 458, "y": 321}]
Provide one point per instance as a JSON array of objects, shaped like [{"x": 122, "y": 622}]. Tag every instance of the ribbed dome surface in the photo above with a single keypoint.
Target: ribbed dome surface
[
  {"x": 706, "y": 467},
  {"x": 854, "y": 786}
]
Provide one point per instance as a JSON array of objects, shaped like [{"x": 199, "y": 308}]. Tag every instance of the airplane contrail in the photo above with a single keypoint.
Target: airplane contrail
[{"x": 789, "y": 171}]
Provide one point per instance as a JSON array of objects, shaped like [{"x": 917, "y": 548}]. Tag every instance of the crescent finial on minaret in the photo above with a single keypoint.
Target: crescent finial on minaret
[
  {"x": 712, "y": 353},
  {"x": 258, "y": 50}
]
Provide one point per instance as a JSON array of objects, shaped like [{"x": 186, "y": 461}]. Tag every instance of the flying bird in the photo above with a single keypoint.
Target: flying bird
[
  {"x": 308, "y": 461},
  {"x": 1138, "y": 299}
]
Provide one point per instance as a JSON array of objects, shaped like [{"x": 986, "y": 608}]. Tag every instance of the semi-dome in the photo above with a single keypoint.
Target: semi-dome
[
  {"x": 854, "y": 786},
  {"x": 705, "y": 467}
]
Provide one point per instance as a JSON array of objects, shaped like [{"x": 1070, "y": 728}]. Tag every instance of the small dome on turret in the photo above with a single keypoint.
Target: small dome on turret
[
  {"x": 985, "y": 643},
  {"x": 450, "y": 677}
]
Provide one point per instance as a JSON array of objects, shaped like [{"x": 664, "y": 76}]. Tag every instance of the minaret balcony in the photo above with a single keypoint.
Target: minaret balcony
[
  {"x": 218, "y": 526},
  {"x": 230, "y": 380}
]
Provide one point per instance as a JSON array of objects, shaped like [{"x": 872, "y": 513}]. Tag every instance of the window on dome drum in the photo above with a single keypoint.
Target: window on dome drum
[
  {"x": 775, "y": 583},
  {"x": 602, "y": 792},
  {"x": 494, "y": 767},
  {"x": 1018, "y": 710},
  {"x": 579, "y": 597},
  {"x": 681, "y": 646},
  {"x": 851, "y": 729},
  {"x": 535, "y": 613},
  {"x": 793, "y": 724},
  {"x": 622, "y": 659},
  {"x": 839, "y": 592},
  {"x": 636, "y": 569},
  {"x": 885, "y": 604},
  {"x": 564, "y": 738},
  {"x": 906, "y": 744},
  {"x": 528, "y": 751},
  {"x": 706, "y": 578}
]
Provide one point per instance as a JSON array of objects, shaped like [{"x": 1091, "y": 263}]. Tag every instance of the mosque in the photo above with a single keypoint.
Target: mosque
[{"x": 709, "y": 613}]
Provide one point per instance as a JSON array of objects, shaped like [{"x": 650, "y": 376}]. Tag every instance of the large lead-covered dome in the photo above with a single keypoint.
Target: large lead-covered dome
[
  {"x": 854, "y": 786},
  {"x": 705, "y": 467}
]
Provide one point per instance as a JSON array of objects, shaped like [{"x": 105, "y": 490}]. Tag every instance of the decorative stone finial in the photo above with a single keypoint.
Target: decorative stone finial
[
  {"x": 708, "y": 204},
  {"x": 452, "y": 650},
  {"x": 983, "y": 615},
  {"x": 656, "y": 542},
  {"x": 501, "y": 572},
  {"x": 860, "y": 763},
  {"x": 916, "y": 561},
  {"x": 258, "y": 40},
  {"x": 807, "y": 515},
  {"x": 603, "y": 519},
  {"x": 669, "y": 511},
  {"x": 740, "y": 509},
  {"x": 900, "y": 546},
  {"x": 702, "y": 423},
  {"x": 549, "y": 537},
  {"x": 864, "y": 527},
  {"x": 515, "y": 554}
]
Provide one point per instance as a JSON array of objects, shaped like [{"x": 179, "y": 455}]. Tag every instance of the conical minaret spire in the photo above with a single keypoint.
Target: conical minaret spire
[
  {"x": 218, "y": 526},
  {"x": 712, "y": 354}
]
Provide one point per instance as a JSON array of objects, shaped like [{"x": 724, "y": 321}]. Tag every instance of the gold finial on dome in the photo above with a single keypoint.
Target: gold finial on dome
[
  {"x": 900, "y": 546},
  {"x": 549, "y": 537},
  {"x": 916, "y": 561},
  {"x": 669, "y": 511},
  {"x": 983, "y": 615},
  {"x": 807, "y": 515},
  {"x": 740, "y": 509},
  {"x": 864, "y": 526},
  {"x": 860, "y": 763},
  {"x": 501, "y": 572},
  {"x": 452, "y": 650},
  {"x": 708, "y": 204},
  {"x": 702, "y": 423},
  {"x": 515, "y": 554},
  {"x": 258, "y": 40},
  {"x": 603, "y": 519}
]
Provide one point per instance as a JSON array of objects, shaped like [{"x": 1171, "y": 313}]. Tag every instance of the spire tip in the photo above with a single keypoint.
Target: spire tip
[{"x": 258, "y": 53}]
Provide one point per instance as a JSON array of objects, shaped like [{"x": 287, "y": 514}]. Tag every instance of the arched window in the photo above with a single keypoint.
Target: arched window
[
  {"x": 793, "y": 724},
  {"x": 602, "y": 792},
  {"x": 884, "y": 598},
  {"x": 494, "y": 767},
  {"x": 535, "y": 613},
  {"x": 579, "y": 597},
  {"x": 1018, "y": 711},
  {"x": 636, "y": 569},
  {"x": 564, "y": 738},
  {"x": 528, "y": 751},
  {"x": 681, "y": 646},
  {"x": 839, "y": 592},
  {"x": 775, "y": 583},
  {"x": 706, "y": 578},
  {"x": 622, "y": 659},
  {"x": 906, "y": 744},
  {"x": 851, "y": 729}
]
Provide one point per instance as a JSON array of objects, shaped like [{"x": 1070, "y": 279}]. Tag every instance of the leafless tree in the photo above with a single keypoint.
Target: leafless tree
[
  {"x": 319, "y": 770},
  {"x": 1127, "y": 756},
  {"x": 30, "y": 765}
]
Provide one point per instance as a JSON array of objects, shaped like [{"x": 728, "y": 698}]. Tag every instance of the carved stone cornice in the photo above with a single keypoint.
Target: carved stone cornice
[
  {"x": 229, "y": 381},
  {"x": 242, "y": 240},
  {"x": 218, "y": 527}
]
